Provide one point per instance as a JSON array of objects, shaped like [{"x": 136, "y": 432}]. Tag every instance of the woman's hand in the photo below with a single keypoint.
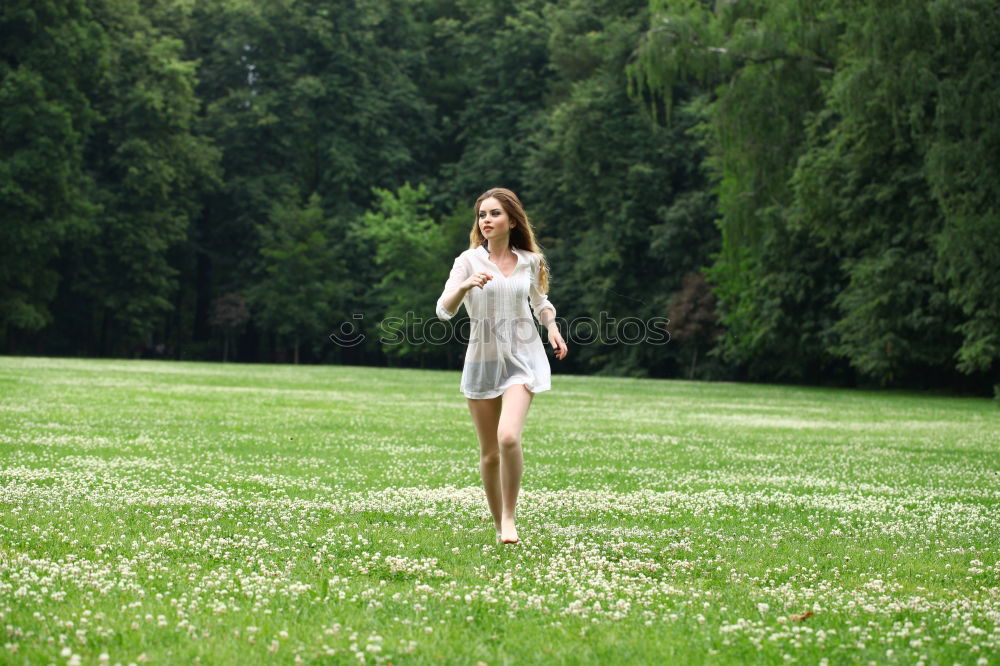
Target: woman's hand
[
  {"x": 557, "y": 342},
  {"x": 476, "y": 280}
]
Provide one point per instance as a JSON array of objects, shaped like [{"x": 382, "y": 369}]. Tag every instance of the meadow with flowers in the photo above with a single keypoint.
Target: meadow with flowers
[{"x": 161, "y": 512}]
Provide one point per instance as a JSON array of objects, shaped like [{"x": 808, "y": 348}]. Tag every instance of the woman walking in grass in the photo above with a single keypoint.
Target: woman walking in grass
[{"x": 505, "y": 364}]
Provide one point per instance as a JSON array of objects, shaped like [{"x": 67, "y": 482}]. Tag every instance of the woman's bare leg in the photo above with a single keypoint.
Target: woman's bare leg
[
  {"x": 516, "y": 401},
  {"x": 486, "y": 417}
]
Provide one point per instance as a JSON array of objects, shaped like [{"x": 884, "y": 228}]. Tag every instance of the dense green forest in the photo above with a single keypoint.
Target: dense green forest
[{"x": 807, "y": 190}]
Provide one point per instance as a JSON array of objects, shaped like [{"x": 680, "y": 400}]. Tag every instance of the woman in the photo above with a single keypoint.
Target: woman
[{"x": 505, "y": 364}]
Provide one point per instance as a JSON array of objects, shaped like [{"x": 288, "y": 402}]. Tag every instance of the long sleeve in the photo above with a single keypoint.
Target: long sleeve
[
  {"x": 459, "y": 273},
  {"x": 538, "y": 300}
]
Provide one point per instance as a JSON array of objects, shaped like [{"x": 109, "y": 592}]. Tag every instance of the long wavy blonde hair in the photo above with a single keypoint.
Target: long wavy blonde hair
[{"x": 522, "y": 236}]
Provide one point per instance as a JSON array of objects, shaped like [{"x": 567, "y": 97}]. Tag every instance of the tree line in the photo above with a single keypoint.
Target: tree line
[{"x": 806, "y": 190}]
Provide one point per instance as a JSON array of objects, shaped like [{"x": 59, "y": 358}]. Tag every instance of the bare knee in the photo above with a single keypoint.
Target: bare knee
[
  {"x": 490, "y": 457},
  {"x": 509, "y": 439}
]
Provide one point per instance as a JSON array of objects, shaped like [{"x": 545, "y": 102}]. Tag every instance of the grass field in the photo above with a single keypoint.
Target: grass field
[{"x": 177, "y": 512}]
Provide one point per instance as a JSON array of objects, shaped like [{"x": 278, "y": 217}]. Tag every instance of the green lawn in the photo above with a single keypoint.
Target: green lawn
[{"x": 176, "y": 512}]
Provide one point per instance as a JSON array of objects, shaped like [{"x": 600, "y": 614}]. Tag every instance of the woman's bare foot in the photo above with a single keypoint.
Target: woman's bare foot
[{"x": 508, "y": 533}]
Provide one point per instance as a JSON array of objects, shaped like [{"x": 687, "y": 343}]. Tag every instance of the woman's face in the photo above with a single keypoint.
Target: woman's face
[{"x": 493, "y": 220}]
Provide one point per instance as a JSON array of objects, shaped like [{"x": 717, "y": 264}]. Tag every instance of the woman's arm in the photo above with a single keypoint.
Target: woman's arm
[
  {"x": 545, "y": 313},
  {"x": 447, "y": 305},
  {"x": 458, "y": 285},
  {"x": 547, "y": 317},
  {"x": 454, "y": 291}
]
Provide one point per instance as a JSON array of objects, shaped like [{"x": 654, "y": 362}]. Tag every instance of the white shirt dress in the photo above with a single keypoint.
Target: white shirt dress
[{"x": 504, "y": 345}]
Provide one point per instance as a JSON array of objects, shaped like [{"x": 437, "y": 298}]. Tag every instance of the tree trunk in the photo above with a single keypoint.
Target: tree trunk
[
  {"x": 105, "y": 339},
  {"x": 202, "y": 297},
  {"x": 225, "y": 348},
  {"x": 694, "y": 362},
  {"x": 296, "y": 349}
]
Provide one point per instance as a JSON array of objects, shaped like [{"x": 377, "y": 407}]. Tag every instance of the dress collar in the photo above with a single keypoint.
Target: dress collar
[{"x": 517, "y": 253}]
